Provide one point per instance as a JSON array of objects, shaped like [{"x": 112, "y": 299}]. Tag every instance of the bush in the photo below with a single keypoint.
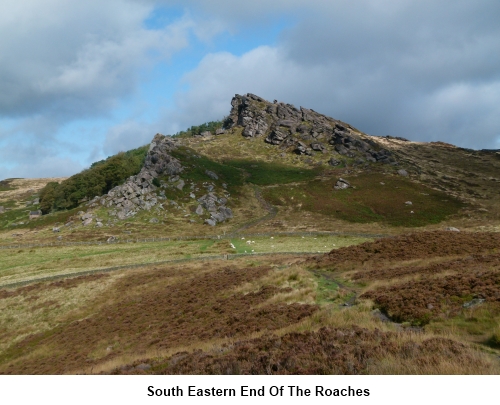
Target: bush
[
  {"x": 101, "y": 177},
  {"x": 198, "y": 129}
]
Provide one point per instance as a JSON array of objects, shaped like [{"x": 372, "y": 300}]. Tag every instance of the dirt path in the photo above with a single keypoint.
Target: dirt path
[
  {"x": 271, "y": 209},
  {"x": 353, "y": 292}
]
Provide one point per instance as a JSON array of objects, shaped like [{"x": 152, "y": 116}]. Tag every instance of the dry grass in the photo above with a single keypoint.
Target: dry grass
[
  {"x": 198, "y": 317},
  {"x": 31, "y": 263},
  {"x": 266, "y": 314},
  {"x": 20, "y": 189}
]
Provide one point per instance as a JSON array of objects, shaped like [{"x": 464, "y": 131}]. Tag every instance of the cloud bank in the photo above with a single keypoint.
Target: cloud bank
[{"x": 421, "y": 69}]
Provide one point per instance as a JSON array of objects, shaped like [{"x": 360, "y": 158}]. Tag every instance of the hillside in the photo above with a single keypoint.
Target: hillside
[
  {"x": 272, "y": 166},
  {"x": 276, "y": 241}
]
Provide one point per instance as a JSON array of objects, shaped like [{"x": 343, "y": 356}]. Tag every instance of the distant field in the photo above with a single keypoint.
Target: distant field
[{"x": 31, "y": 263}]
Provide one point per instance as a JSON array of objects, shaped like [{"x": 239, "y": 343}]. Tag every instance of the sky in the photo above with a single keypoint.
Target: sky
[{"x": 83, "y": 80}]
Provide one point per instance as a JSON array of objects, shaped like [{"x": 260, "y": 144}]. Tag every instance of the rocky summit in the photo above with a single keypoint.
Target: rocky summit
[
  {"x": 303, "y": 131},
  {"x": 233, "y": 168}
]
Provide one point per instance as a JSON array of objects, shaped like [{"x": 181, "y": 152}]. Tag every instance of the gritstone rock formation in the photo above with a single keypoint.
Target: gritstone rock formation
[
  {"x": 140, "y": 193},
  {"x": 302, "y": 130}
]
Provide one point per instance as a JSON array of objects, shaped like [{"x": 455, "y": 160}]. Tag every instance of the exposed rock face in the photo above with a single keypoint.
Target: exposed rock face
[
  {"x": 216, "y": 206},
  {"x": 141, "y": 192},
  {"x": 302, "y": 130},
  {"x": 136, "y": 193},
  {"x": 342, "y": 184}
]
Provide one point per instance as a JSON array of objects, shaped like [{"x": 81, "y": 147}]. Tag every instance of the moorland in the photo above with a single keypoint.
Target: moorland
[{"x": 276, "y": 241}]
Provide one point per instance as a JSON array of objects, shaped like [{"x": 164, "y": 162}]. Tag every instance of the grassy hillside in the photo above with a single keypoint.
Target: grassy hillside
[
  {"x": 374, "y": 198},
  {"x": 240, "y": 302}
]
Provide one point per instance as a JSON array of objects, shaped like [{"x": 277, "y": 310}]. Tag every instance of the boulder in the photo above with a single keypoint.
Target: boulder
[
  {"x": 342, "y": 150},
  {"x": 211, "y": 222},
  {"x": 154, "y": 221},
  {"x": 473, "y": 303},
  {"x": 2, "y": 209},
  {"x": 35, "y": 214},
  {"x": 248, "y": 132},
  {"x": 211, "y": 174},
  {"x": 403, "y": 172},
  {"x": 342, "y": 184},
  {"x": 334, "y": 162},
  {"x": 87, "y": 221},
  {"x": 302, "y": 149},
  {"x": 86, "y": 216},
  {"x": 199, "y": 210},
  {"x": 56, "y": 229},
  {"x": 180, "y": 185},
  {"x": 276, "y": 137},
  {"x": 317, "y": 146},
  {"x": 361, "y": 146}
]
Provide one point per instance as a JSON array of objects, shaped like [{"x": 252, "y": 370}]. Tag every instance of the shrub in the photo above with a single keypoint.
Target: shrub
[{"x": 101, "y": 177}]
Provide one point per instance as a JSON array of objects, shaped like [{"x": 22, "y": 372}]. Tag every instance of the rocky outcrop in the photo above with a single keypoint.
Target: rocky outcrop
[
  {"x": 145, "y": 191},
  {"x": 216, "y": 207},
  {"x": 302, "y": 131},
  {"x": 137, "y": 192}
]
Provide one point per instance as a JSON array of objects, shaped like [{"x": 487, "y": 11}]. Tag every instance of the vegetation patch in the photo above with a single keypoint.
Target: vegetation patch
[
  {"x": 369, "y": 200},
  {"x": 19, "y": 219},
  {"x": 157, "y": 310},
  {"x": 419, "y": 302},
  {"x": 196, "y": 166},
  {"x": 266, "y": 173},
  {"x": 101, "y": 177},
  {"x": 5, "y": 185},
  {"x": 413, "y": 246},
  {"x": 352, "y": 350},
  {"x": 210, "y": 126}
]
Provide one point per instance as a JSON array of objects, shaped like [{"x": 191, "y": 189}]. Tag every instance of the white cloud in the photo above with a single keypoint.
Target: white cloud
[
  {"x": 27, "y": 159},
  {"x": 420, "y": 69},
  {"x": 128, "y": 135},
  {"x": 77, "y": 58}
]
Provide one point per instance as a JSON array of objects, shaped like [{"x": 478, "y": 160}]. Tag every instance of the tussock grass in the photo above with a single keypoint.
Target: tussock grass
[{"x": 40, "y": 309}]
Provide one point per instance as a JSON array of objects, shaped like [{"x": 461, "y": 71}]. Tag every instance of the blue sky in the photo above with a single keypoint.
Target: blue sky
[{"x": 80, "y": 81}]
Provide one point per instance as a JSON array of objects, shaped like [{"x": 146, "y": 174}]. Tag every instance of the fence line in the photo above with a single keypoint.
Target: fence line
[
  {"x": 178, "y": 238},
  {"x": 138, "y": 265}
]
